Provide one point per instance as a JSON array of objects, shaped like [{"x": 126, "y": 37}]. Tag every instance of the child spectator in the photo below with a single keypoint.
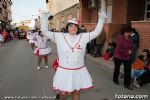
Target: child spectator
[
  {"x": 138, "y": 69},
  {"x": 109, "y": 52},
  {"x": 145, "y": 77},
  {"x": 146, "y": 53},
  {"x": 147, "y": 67}
]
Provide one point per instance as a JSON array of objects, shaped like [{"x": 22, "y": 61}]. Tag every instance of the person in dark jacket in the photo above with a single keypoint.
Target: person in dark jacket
[
  {"x": 135, "y": 40},
  {"x": 122, "y": 54}
]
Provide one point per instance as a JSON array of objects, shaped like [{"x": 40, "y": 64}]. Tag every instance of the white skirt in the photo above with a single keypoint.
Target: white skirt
[
  {"x": 41, "y": 52},
  {"x": 1, "y": 39},
  {"x": 68, "y": 81}
]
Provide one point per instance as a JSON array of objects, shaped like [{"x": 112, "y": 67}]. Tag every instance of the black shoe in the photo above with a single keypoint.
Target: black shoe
[
  {"x": 116, "y": 82},
  {"x": 128, "y": 87},
  {"x": 57, "y": 97}
]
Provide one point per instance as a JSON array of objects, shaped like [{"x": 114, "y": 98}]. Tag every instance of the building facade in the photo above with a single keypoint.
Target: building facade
[
  {"x": 62, "y": 11},
  {"x": 119, "y": 14},
  {"x": 61, "y": 18},
  {"x": 5, "y": 14}
]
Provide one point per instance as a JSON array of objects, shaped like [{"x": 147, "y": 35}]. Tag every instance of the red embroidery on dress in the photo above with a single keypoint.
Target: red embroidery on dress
[
  {"x": 72, "y": 48},
  {"x": 78, "y": 47}
]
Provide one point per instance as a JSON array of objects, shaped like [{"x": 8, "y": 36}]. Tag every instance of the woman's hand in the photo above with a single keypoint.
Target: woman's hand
[
  {"x": 45, "y": 13},
  {"x": 102, "y": 15},
  {"x": 130, "y": 51}
]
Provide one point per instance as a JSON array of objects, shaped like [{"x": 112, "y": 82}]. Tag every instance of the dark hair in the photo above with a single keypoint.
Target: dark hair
[
  {"x": 126, "y": 29},
  {"x": 148, "y": 59},
  {"x": 134, "y": 30},
  {"x": 39, "y": 32},
  {"x": 146, "y": 50},
  {"x": 141, "y": 57},
  {"x": 66, "y": 30}
]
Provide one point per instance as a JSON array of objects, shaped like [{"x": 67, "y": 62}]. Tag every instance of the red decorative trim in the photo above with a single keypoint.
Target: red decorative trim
[
  {"x": 72, "y": 48},
  {"x": 62, "y": 92},
  {"x": 42, "y": 55},
  {"x": 72, "y": 68}
]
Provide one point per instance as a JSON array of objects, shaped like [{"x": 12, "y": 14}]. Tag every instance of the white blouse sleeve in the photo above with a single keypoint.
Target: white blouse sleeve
[
  {"x": 97, "y": 31},
  {"x": 44, "y": 27}
]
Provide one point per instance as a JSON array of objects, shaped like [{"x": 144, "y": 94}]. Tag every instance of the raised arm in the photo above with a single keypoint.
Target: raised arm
[
  {"x": 44, "y": 25},
  {"x": 98, "y": 29}
]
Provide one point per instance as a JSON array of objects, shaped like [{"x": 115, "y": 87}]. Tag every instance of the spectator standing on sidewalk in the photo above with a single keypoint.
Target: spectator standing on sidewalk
[
  {"x": 122, "y": 54},
  {"x": 135, "y": 40},
  {"x": 71, "y": 75},
  {"x": 5, "y": 35}
]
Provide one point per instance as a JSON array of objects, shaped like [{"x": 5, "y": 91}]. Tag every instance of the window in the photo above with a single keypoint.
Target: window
[{"x": 147, "y": 10}]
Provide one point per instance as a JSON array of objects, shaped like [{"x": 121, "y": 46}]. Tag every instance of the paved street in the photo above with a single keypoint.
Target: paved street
[{"x": 19, "y": 76}]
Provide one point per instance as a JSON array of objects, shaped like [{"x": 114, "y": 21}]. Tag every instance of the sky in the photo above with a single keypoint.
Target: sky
[{"x": 25, "y": 9}]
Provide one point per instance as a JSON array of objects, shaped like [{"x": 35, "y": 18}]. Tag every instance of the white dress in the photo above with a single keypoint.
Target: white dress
[
  {"x": 29, "y": 35},
  {"x": 42, "y": 46},
  {"x": 72, "y": 74},
  {"x": 1, "y": 38},
  {"x": 32, "y": 37}
]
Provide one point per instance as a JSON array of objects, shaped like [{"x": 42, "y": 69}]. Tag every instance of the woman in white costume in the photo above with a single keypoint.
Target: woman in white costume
[
  {"x": 71, "y": 75},
  {"x": 30, "y": 39},
  {"x": 29, "y": 35},
  {"x": 1, "y": 39},
  {"x": 42, "y": 50}
]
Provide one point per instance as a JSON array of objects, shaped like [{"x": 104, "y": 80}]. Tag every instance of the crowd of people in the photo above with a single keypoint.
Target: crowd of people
[
  {"x": 5, "y": 36},
  {"x": 123, "y": 52},
  {"x": 12, "y": 34},
  {"x": 75, "y": 41}
]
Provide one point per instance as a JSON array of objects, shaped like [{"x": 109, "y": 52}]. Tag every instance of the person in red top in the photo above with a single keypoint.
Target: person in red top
[
  {"x": 123, "y": 55},
  {"x": 5, "y": 35}
]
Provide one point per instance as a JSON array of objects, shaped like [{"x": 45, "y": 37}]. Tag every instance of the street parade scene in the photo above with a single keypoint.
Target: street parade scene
[{"x": 74, "y": 49}]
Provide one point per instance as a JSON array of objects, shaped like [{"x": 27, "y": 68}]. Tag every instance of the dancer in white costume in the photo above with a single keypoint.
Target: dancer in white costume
[
  {"x": 42, "y": 50},
  {"x": 1, "y": 39},
  {"x": 71, "y": 75},
  {"x": 29, "y": 39},
  {"x": 32, "y": 38}
]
